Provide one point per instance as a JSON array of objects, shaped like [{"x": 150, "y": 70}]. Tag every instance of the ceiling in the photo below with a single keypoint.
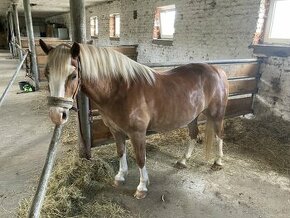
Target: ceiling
[{"x": 43, "y": 8}]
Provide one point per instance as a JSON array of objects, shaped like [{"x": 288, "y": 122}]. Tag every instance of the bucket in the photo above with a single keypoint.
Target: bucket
[{"x": 26, "y": 86}]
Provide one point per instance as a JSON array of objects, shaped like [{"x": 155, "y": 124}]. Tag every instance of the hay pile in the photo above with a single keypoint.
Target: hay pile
[
  {"x": 75, "y": 185},
  {"x": 265, "y": 139},
  {"x": 74, "y": 190}
]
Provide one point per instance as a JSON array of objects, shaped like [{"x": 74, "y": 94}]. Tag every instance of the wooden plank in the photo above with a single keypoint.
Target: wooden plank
[
  {"x": 243, "y": 86},
  {"x": 239, "y": 106},
  {"x": 271, "y": 50},
  {"x": 232, "y": 70},
  {"x": 41, "y": 60},
  {"x": 99, "y": 130},
  {"x": 41, "y": 73},
  {"x": 240, "y": 70},
  {"x": 50, "y": 41}
]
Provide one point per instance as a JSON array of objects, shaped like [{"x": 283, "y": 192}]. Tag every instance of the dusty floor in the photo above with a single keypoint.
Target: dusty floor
[
  {"x": 24, "y": 139},
  {"x": 253, "y": 183}
]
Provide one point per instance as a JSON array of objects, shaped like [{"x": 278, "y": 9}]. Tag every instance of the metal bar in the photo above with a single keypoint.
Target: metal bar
[
  {"x": 29, "y": 28},
  {"x": 12, "y": 79},
  {"x": 230, "y": 61},
  {"x": 46, "y": 171},
  {"x": 17, "y": 30},
  {"x": 78, "y": 24}
]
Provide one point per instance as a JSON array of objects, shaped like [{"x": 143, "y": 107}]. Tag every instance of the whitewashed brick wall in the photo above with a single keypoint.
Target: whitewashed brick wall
[
  {"x": 274, "y": 86},
  {"x": 205, "y": 29}
]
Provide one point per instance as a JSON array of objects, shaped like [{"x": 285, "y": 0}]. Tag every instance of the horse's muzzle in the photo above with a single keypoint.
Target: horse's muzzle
[
  {"x": 58, "y": 115},
  {"x": 59, "y": 109}
]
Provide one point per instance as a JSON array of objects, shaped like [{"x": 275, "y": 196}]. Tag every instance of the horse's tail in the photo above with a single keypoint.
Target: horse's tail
[{"x": 209, "y": 138}]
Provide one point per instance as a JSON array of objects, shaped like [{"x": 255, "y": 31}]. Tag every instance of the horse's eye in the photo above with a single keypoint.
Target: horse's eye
[{"x": 73, "y": 76}]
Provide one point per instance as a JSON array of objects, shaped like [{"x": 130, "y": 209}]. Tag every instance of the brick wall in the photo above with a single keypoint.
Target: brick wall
[
  {"x": 205, "y": 29},
  {"x": 274, "y": 87}
]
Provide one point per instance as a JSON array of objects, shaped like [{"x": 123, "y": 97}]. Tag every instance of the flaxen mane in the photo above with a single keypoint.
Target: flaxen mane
[
  {"x": 99, "y": 63},
  {"x": 106, "y": 63}
]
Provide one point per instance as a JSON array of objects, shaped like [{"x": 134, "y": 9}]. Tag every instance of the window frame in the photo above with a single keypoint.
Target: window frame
[
  {"x": 269, "y": 25},
  {"x": 115, "y": 35},
  {"x": 158, "y": 11},
  {"x": 95, "y": 26}
]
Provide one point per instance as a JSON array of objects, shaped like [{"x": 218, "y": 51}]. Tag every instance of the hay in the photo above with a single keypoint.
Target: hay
[
  {"x": 73, "y": 187},
  {"x": 265, "y": 139}
]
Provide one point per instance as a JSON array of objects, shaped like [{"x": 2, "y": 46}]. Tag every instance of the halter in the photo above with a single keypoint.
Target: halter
[{"x": 67, "y": 103}]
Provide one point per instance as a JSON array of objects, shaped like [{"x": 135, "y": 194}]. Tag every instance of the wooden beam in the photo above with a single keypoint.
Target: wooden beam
[
  {"x": 11, "y": 32},
  {"x": 29, "y": 30},
  {"x": 17, "y": 30},
  {"x": 77, "y": 14},
  {"x": 242, "y": 86}
]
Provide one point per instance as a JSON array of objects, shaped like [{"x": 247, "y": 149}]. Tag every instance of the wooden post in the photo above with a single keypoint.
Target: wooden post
[
  {"x": 78, "y": 24},
  {"x": 17, "y": 29},
  {"x": 11, "y": 28},
  {"x": 29, "y": 29}
]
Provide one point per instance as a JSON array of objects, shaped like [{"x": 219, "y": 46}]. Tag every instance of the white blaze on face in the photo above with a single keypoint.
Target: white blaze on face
[{"x": 57, "y": 82}]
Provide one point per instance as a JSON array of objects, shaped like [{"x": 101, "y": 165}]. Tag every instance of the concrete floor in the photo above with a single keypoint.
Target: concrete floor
[{"x": 25, "y": 132}]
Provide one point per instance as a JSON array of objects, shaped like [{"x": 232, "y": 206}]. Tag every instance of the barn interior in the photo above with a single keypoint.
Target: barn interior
[{"x": 248, "y": 38}]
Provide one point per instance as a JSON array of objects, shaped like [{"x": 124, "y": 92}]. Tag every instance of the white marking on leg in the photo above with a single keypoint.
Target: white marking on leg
[
  {"x": 219, "y": 151},
  {"x": 123, "y": 168},
  {"x": 188, "y": 153},
  {"x": 144, "y": 180}
]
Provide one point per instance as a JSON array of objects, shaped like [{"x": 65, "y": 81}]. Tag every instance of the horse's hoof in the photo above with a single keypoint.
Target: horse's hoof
[
  {"x": 216, "y": 167},
  {"x": 117, "y": 183},
  {"x": 140, "y": 194},
  {"x": 180, "y": 165}
]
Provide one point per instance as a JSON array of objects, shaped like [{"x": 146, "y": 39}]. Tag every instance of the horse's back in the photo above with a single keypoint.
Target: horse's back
[{"x": 181, "y": 94}]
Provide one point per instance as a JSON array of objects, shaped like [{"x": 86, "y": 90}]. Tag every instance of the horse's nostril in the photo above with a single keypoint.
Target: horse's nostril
[{"x": 64, "y": 115}]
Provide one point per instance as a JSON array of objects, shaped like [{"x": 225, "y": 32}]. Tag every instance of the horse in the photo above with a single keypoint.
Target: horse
[{"x": 133, "y": 99}]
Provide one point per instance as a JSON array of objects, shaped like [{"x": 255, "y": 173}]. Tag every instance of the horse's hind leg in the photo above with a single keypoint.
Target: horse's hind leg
[
  {"x": 193, "y": 133},
  {"x": 138, "y": 141},
  {"x": 121, "y": 150},
  {"x": 218, "y": 127}
]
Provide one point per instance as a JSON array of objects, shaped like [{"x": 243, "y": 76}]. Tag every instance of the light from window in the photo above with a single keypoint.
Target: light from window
[
  {"x": 94, "y": 26},
  {"x": 115, "y": 25},
  {"x": 277, "y": 29},
  {"x": 164, "y": 22}
]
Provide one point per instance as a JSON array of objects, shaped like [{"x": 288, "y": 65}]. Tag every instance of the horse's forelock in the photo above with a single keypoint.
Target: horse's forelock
[{"x": 59, "y": 60}]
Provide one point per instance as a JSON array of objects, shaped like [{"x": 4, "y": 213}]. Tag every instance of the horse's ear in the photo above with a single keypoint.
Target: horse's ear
[
  {"x": 75, "y": 50},
  {"x": 46, "y": 48}
]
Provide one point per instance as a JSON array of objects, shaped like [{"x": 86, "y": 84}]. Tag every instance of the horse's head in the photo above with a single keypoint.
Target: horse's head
[{"x": 63, "y": 74}]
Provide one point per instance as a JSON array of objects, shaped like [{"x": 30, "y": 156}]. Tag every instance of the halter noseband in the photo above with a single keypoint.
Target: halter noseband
[{"x": 67, "y": 103}]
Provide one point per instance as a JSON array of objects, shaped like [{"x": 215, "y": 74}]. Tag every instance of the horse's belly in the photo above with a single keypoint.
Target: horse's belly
[{"x": 171, "y": 122}]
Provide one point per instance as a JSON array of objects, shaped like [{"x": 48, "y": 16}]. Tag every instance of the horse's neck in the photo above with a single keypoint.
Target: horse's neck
[{"x": 101, "y": 91}]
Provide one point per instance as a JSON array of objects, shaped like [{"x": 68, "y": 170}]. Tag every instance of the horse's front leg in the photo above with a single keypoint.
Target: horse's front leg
[
  {"x": 138, "y": 141},
  {"x": 121, "y": 150}
]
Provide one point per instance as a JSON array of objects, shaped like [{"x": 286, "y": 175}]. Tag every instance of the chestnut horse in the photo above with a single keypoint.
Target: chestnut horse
[{"x": 132, "y": 99}]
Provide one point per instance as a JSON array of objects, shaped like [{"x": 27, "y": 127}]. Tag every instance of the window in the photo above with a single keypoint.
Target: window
[
  {"x": 115, "y": 25},
  {"x": 164, "y": 22},
  {"x": 277, "y": 26},
  {"x": 94, "y": 26}
]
